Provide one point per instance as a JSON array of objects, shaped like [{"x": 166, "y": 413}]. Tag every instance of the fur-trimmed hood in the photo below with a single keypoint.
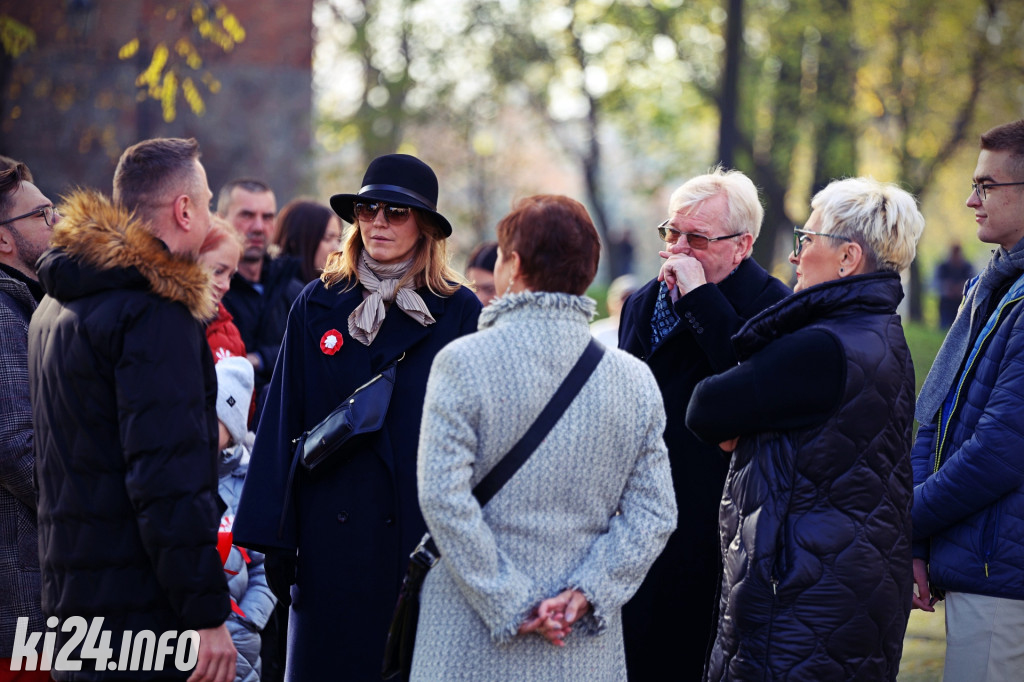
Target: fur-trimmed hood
[{"x": 96, "y": 238}]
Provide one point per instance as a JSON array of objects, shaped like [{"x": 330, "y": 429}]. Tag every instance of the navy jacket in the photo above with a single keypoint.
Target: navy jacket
[
  {"x": 685, "y": 578},
  {"x": 355, "y": 524},
  {"x": 815, "y": 521},
  {"x": 969, "y": 494}
]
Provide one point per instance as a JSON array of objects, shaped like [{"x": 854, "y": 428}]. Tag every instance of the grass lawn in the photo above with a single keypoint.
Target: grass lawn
[
  {"x": 924, "y": 647},
  {"x": 925, "y": 643}
]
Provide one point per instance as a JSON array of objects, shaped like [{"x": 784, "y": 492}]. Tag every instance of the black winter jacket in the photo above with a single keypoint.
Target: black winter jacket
[
  {"x": 123, "y": 395},
  {"x": 261, "y": 317},
  {"x": 815, "y": 521}
]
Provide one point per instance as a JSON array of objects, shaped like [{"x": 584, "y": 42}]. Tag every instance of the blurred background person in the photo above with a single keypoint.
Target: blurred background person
[
  {"x": 815, "y": 517},
  {"x": 348, "y": 527},
  {"x": 607, "y": 330},
  {"x": 263, "y": 289},
  {"x": 950, "y": 277},
  {"x": 308, "y": 232},
  {"x": 582, "y": 521},
  {"x": 480, "y": 270}
]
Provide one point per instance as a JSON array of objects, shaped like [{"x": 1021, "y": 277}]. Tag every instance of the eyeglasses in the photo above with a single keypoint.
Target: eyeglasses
[
  {"x": 50, "y": 215},
  {"x": 394, "y": 215},
  {"x": 800, "y": 234},
  {"x": 696, "y": 241},
  {"x": 982, "y": 188}
]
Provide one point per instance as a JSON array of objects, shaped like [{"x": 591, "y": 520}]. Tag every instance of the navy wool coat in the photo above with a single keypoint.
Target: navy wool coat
[
  {"x": 355, "y": 523},
  {"x": 685, "y": 578}
]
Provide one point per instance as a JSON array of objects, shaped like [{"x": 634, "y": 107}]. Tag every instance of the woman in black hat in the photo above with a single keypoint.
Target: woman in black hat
[{"x": 348, "y": 526}]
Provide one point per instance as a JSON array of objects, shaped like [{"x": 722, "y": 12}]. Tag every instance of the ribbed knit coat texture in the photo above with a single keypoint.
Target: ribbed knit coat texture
[{"x": 590, "y": 509}]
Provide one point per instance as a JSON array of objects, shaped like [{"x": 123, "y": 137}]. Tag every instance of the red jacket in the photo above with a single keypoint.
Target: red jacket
[{"x": 223, "y": 336}]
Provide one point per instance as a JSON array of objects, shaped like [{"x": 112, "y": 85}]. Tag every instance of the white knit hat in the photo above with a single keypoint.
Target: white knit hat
[{"x": 235, "y": 381}]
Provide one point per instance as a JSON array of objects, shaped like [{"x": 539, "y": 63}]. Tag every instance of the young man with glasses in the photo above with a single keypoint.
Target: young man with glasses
[
  {"x": 680, "y": 323},
  {"x": 26, "y": 221},
  {"x": 968, "y": 513}
]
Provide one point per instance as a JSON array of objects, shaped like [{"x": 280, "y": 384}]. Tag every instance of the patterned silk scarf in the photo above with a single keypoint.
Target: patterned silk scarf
[
  {"x": 382, "y": 283},
  {"x": 664, "y": 318}
]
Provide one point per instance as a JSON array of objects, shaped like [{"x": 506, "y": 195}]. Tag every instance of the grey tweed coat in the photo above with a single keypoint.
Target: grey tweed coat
[
  {"x": 19, "y": 546},
  {"x": 591, "y": 509}
]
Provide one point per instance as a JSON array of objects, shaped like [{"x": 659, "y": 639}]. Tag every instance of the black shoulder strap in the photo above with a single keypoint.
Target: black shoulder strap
[{"x": 549, "y": 416}]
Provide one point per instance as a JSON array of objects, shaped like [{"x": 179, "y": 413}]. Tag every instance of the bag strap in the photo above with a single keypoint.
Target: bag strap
[
  {"x": 298, "y": 442},
  {"x": 549, "y": 416}
]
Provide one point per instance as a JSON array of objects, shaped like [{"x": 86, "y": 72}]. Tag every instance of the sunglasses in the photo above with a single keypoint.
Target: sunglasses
[
  {"x": 50, "y": 215},
  {"x": 394, "y": 215},
  {"x": 800, "y": 238},
  {"x": 696, "y": 241}
]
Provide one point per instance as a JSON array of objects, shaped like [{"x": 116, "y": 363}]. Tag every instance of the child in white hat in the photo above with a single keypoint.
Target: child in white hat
[{"x": 251, "y": 598}]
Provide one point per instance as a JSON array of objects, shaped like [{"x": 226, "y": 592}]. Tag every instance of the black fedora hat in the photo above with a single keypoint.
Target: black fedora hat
[{"x": 397, "y": 179}]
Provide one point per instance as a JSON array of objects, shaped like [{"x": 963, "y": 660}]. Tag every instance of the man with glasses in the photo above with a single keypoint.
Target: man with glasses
[
  {"x": 968, "y": 513},
  {"x": 680, "y": 323},
  {"x": 26, "y": 221},
  {"x": 263, "y": 289}
]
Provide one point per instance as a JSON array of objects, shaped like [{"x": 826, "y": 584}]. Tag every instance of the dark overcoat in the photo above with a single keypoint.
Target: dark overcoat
[
  {"x": 354, "y": 524},
  {"x": 674, "y": 609}
]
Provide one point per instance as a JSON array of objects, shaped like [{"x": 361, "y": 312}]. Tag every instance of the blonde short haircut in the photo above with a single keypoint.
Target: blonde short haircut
[
  {"x": 745, "y": 211},
  {"x": 879, "y": 216}
]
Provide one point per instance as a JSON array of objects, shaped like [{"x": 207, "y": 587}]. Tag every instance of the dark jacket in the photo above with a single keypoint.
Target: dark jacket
[
  {"x": 19, "y": 546},
  {"x": 815, "y": 521},
  {"x": 354, "y": 523},
  {"x": 685, "y": 578},
  {"x": 124, "y": 405},
  {"x": 261, "y": 318},
  {"x": 969, "y": 499}
]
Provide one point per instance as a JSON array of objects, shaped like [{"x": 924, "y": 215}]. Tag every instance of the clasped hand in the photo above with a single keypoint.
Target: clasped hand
[
  {"x": 682, "y": 273},
  {"x": 553, "y": 617}
]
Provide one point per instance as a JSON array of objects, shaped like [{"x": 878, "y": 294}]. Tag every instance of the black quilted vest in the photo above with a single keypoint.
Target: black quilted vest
[{"x": 815, "y": 523}]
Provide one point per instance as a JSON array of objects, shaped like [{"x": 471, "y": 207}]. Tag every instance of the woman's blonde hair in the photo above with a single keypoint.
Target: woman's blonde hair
[
  {"x": 879, "y": 216},
  {"x": 430, "y": 265}
]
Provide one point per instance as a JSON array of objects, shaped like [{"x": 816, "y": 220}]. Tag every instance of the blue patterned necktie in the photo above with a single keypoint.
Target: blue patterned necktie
[{"x": 664, "y": 318}]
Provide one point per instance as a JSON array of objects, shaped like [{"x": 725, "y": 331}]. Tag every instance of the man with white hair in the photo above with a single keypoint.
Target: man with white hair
[{"x": 680, "y": 324}]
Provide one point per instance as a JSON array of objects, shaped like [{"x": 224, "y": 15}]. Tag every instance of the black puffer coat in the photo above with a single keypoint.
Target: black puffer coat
[
  {"x": 124, "y": 406},
  {"x": 815, "y": 522}
]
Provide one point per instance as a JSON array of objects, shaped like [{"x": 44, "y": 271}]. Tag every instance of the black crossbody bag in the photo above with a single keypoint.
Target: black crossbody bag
[{"x": 398, "y": 650}]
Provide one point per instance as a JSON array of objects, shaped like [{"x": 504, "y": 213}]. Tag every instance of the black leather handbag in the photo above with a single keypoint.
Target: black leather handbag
[
  {"x": 401, "y": 640},
  {"x": 361, "y": 413}
]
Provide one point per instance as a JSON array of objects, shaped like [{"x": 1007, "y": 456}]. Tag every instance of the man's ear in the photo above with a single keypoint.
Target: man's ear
[
  {"x": 746, "y": 245},
  {"x": 183, "y": 211},
  {"x": 7, "y": 244}
]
